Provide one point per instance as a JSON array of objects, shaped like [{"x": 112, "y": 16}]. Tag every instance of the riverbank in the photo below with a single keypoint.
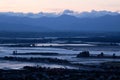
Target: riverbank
[{"x": 42, "y": 73}]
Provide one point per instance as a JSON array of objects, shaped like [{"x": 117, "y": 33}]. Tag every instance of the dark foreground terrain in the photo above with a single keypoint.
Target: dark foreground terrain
[{"x": 111, "y": 71}]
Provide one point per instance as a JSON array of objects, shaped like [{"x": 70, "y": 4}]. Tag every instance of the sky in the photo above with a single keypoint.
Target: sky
[{"x": 37, "y": 6}]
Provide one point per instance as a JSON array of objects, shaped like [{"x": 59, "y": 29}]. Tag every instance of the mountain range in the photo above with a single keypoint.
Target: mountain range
[{"x": 65, "y": 21}]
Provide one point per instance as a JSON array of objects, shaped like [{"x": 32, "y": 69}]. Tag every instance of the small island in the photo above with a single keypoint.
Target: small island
[
  {"x": 37, "y": 59},
  {"x": 86, "y": 54},
  {"x": 36, "y": 53}
]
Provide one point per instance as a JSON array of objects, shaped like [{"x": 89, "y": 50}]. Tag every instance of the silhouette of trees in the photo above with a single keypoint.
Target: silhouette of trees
[
  {"x": 101, "y": 54},
  {"x": 84, "y": 54}
]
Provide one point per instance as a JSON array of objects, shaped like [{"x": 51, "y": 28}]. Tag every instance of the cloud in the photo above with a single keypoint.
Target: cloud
[
  {"x": 94, "y": 13},
  {"x": 68, "y": 11},
  {"x": 86, "y": 14}
]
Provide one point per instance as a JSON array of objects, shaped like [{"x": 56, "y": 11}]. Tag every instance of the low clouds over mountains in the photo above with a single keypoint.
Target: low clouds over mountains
[
  {"x": 91, "y": 14},
  {"x": 65, "y": 21}
]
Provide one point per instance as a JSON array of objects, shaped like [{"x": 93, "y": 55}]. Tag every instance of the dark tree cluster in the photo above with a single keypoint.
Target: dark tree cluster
[
  {"x": 84, "y": 54},
  {"x": 39, "y": 73}
]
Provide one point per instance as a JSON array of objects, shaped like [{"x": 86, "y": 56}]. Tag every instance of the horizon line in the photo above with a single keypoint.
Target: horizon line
[{"x": 57, "y": 12}]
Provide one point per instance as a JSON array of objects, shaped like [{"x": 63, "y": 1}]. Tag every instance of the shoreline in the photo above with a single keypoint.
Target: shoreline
[{"x": 42, "y": 73}]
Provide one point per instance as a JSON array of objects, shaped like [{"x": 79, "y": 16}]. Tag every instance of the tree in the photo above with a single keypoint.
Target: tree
[{"x": 84, "y": 54}]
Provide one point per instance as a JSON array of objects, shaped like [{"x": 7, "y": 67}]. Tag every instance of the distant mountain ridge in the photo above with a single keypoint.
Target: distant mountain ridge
[
  {"x": 63, "y": 22},
  {"x": 84, "y": 14}
]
